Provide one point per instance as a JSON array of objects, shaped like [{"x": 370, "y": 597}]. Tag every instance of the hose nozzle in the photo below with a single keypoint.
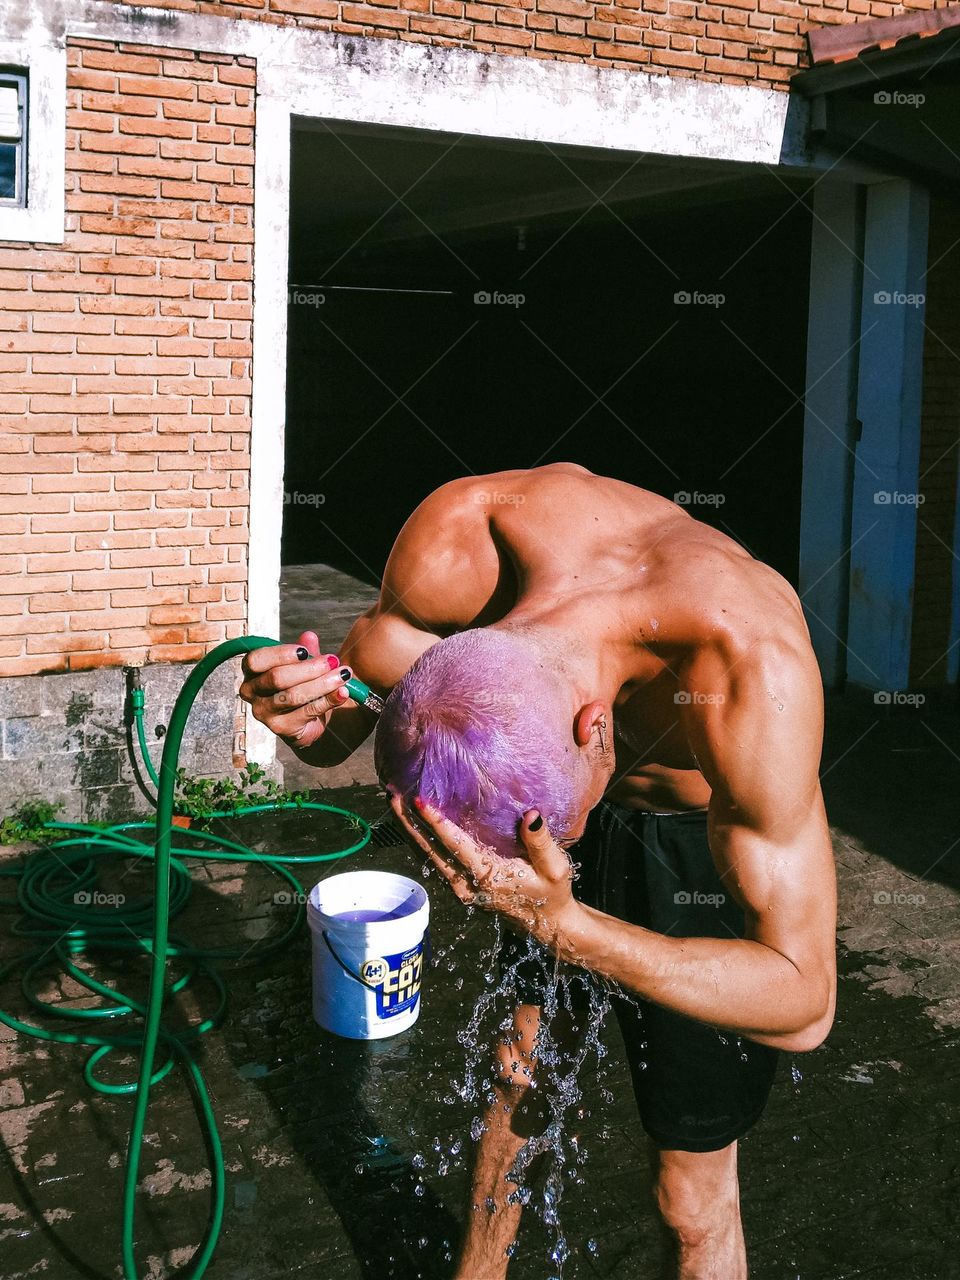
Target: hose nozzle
[{"x": 363, "y": 694}]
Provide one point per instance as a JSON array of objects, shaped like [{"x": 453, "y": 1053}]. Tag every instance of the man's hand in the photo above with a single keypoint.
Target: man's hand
[
  {"x": 293, "y": 689},
  {"x": 535, "y": 895}
]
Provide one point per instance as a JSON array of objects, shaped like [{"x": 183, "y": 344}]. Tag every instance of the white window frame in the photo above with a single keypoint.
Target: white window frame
[
  {"x": 17, "y": 79},
  {"x": 41, "y": 219}
]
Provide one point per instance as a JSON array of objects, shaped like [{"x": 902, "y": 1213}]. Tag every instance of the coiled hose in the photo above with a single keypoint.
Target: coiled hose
[{"x": 53, "y": 892}]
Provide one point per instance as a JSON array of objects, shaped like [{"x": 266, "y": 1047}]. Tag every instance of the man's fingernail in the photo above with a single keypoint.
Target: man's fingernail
[
  {"x": 345, "y": 673},
  {"x": 537, "y": 823},
  {"x": 333, "y": 661},
  {"x": 302, "y": 653}
]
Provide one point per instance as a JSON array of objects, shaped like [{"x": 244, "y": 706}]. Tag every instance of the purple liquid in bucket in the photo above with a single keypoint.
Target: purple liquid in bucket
[{"x": 375, "y": 915}]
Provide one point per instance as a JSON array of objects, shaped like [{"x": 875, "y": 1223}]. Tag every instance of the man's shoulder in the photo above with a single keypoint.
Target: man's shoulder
[{"x": 739, "y": 611}]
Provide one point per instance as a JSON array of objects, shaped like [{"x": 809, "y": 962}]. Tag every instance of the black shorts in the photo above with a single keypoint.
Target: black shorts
[{"x": 700, "y": 1088}]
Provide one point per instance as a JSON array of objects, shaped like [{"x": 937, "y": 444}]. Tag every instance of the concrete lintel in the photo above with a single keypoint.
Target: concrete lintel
[{"x": 456, "y": 90}]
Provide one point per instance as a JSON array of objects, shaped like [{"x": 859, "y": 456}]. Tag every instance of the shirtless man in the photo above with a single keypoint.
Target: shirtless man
[{"x": 707, "y": 887}]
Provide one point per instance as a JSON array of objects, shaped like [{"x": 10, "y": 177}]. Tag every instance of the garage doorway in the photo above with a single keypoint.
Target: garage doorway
[{"x": 461, "y": 305}]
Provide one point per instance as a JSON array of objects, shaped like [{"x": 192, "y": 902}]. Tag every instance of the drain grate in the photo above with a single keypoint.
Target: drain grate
[{"x": 386, "y": 833}]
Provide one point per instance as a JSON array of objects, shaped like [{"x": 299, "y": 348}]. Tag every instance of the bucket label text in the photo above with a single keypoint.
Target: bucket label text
[{"x": 396, "y": 979}]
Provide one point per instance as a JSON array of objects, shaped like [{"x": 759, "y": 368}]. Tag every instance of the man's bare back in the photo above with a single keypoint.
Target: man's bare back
[{"x": 592, "y": 557}]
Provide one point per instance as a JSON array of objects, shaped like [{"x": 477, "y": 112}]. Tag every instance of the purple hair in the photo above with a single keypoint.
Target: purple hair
[{"x": 475, "y": 727}]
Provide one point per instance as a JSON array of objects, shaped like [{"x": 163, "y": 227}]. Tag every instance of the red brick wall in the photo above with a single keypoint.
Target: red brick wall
[
  {"x": 940, "y": 432},
  {"x": 125, "y": 372},
  {"x": 738, "y": 41}
]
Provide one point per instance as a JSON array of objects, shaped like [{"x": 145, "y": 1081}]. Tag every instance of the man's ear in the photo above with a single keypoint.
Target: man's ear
[{"x": 586, "y": 720}]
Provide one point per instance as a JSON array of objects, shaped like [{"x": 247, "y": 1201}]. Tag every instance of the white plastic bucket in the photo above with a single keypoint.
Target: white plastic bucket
[{"x": 367, "y": 971}]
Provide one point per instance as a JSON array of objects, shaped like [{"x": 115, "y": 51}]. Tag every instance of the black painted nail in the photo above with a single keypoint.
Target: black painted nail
[
  {"x": 345, "y": 673},
  {"x": 303, "y": 654},
  {"x": 537, "y": 823}
]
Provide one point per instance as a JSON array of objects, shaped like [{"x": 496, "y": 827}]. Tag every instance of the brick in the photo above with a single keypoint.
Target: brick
[
  {"x": 158, "y": 596},
  {"x": 39, "y": 583},
  {"x": 623, "y": 52},
  {"x": 118, "y": 144},
  {"x": 176, "y": 577},
  {"x": 109, "y": 541},
  {"x": 195, "y": 111},
  {"x": 175, "y": 653},
  {"x": 127, "y": 62},
  {"x": 31, "y": 666},
  {"x": 570, "y": 8},
  {"x": 79, "y": 521},
  {"x": 565, "y": 44},
  {"x": 156, "y": 87},
  {"x": 672, "y": 58}
]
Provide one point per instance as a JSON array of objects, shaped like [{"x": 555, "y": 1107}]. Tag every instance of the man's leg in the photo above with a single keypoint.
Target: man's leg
[
  {"x": 518, "y": 1112},
  {"x": 698, "y": 1196},
  {"x": 512, "y": 1118}
]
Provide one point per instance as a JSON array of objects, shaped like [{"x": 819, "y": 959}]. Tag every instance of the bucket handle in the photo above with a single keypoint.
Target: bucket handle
[{"x": 370, "y": 986}]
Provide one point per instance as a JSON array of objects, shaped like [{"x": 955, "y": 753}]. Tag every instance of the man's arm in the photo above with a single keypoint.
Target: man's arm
[
  {"x": 430, "y": 586},
  {"x": 754, "y": 722}
]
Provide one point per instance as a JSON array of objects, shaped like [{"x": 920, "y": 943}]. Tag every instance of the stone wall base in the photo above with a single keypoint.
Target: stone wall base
[{"x": 69, "y": 738}]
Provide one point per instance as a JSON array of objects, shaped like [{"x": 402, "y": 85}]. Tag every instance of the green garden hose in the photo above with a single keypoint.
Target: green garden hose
[{"x": 55, "y": 892}]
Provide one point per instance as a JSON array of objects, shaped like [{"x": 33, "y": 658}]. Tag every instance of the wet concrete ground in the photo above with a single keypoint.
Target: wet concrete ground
[{"x": 854, "y": 1171}]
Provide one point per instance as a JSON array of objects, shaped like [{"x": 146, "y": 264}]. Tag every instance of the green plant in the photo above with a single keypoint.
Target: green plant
[
  {"x": 203, "y": 798},
  {"x": 29, "y": 822}
]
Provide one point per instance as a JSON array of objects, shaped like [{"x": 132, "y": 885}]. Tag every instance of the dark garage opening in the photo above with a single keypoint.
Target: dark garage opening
[{"x": 398, "y": 379}]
